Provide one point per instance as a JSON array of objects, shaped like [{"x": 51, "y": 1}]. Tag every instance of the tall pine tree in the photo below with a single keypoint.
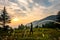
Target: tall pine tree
[{"x": 4, "y": 18}]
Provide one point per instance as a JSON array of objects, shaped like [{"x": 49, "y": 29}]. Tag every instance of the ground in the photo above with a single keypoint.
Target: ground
[{"x": 38, "y": 34}]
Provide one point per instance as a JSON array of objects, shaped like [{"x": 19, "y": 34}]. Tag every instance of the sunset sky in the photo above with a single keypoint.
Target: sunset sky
[{"x": 26, "y": 11}]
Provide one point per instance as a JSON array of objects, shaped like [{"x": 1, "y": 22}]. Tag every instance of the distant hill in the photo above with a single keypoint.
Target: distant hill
[{"x": 51, "y": 18}]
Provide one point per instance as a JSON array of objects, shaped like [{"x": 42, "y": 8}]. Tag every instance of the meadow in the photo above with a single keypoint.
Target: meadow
[{"x": 38, "y": 34}]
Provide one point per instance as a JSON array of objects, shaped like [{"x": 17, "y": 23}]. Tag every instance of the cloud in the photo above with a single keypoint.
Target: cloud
[
  {"x": 45, "y": 3},
  {"x": 31, "y": 7},
  {"x": 31, "y": 10}
]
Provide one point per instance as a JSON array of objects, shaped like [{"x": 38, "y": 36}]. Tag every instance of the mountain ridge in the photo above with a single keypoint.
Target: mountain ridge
[{"x": 51, "y": 18}]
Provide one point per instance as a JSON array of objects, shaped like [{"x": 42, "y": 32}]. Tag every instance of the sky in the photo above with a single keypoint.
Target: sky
[{"x": 26, "y": 11}]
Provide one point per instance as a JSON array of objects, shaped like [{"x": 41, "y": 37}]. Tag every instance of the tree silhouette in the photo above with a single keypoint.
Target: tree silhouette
[
  {"x": 50, "y": 25},
  {"x": 37, "y": 26},
  {"x": 4, "y": 18},
  {"x": 58, "y": 17},
  {"x": 21, "y": 26},
  {"x": 58, "y": 20}
]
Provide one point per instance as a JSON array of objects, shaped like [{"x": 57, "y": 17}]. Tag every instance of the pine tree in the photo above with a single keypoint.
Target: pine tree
[
  {"x": 4, "y": 18},
  {"x": 58, "y": 17}
]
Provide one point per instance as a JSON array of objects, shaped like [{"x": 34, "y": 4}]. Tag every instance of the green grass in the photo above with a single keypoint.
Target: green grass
[{"x": 38, "y": 34}]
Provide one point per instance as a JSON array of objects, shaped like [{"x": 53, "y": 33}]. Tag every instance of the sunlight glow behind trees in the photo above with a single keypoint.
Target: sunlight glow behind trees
[{"x": 15, "y": 19}]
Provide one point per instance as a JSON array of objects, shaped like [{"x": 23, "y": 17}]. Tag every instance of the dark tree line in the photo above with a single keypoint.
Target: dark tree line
[
  {"x": 58, "y": 20},
  {"x": 53, "y": 24},
  {"x": 21, "y": 26},
  {"x": 49, "y": 25}
]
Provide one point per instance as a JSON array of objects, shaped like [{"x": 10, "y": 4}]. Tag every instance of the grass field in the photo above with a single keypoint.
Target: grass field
[{"x": 38, "y": 34}]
